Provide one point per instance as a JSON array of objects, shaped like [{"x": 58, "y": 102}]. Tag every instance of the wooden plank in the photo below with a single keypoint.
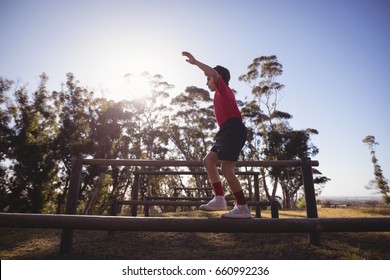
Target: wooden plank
[
  {"x": 90, "y": 222},
  {"x": 189, "y": 173},
  {"x": 193, "y": 189},
  {"x": 182, "y": 203},
  {"x": 171, "y": 198},
  {"x": 196, "y": 163}
]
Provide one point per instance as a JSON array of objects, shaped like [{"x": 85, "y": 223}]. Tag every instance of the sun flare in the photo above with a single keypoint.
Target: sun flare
[{"x": 138, "y": 85}]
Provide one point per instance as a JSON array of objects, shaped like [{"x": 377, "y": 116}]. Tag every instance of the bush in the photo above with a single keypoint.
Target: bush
[{"x": 301, "y": 204}]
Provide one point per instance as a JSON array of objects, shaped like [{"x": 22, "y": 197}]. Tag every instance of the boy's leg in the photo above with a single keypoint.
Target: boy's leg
[
  {"x": 241, "y": 209},
  {"x": 218, "y": 203},
  {"x": 229, "y": 173},
  {"x": 210, "y": 162}
]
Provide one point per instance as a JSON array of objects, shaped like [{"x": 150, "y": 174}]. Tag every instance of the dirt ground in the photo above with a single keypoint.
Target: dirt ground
[
  {"x": 99, "y": 245},
  {"x": 44, "y": 244}
]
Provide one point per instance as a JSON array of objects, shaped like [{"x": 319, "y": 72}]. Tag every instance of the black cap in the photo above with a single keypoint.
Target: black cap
[{"x": 225, "y": 74}]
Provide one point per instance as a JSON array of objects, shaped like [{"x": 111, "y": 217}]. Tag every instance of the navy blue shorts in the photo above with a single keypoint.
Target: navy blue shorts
[{"x": 229, "y": 140}]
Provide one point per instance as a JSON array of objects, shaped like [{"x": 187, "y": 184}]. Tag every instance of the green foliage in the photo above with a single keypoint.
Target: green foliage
[
  {"x": 271, "y": 136},
  {"x": 301, "y": 204},
  {"x": 41, "y": 132},
  {"x": 32, "y": 167},
  {"x": 380, "y": 182},
  {"x": 191, "y": 128}
]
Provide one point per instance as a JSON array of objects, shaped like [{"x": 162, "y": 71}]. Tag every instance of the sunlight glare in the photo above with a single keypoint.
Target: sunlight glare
[
  {"x": 138, "y": 85},
  {"x": 119, "y": 87}
]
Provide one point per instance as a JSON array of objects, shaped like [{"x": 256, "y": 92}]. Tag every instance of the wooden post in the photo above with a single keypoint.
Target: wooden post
[
  {"x": 257, "y": 195},
  {"x": 310, "y": 197},
  {"x": 134, "y": 193},
  {"x": 146, "y": 208},
  {"x": 175, "y": 194},
  {"x": 71, "y": 202},
  {"x": 114, "y": 208},
  {"x": 274, "y": 209}
]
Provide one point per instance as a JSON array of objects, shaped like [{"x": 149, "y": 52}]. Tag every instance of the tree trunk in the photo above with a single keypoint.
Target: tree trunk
[{"x": 93, "y": 195}]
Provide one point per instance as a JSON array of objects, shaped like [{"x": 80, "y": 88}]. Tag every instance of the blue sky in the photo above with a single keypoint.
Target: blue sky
[{"x": 335, "y": 56}]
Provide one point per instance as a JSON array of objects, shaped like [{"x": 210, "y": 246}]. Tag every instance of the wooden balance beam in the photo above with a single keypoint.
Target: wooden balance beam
[{"x": 159, "y": 224}]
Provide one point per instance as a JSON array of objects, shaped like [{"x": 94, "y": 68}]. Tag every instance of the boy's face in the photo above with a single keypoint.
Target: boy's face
[{"x": 211, "y": 84}]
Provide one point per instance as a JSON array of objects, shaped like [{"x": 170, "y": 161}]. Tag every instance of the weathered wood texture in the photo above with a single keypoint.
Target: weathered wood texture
[{"x": 90, "y": 222}]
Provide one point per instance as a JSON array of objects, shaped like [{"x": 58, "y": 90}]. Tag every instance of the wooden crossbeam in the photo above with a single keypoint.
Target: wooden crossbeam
[
  {"x": 183, "y": 203},
  {"x": 198, "y": 163},
  {"x": 147, "y": 172}
]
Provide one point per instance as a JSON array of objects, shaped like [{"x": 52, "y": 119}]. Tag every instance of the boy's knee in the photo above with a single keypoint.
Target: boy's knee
[
  {"x": 210, "y": 160},
  {"x": 207, "y": 162}
]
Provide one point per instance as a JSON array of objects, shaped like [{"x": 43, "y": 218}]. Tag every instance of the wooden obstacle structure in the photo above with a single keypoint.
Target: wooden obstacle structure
[
  {"x": 181, "y": 201},
  {"x": 137, "y": 179},
  {"x": 70, "y": 221},
  {"x": 175, "y": 201}
]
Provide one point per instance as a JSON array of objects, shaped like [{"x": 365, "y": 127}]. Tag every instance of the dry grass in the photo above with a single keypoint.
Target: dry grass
[{"x": 44, "y": 244}]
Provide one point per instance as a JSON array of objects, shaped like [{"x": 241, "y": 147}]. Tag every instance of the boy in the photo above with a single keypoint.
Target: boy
[{"x": 228, "y": 142}]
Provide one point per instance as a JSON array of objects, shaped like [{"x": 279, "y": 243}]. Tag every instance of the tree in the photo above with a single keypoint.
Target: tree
[
  {"x": 31, "y": 154},
  {"x": 193, "y": 123},
  {"x": 5, "y": 143},
  {"x": 149, "y": 129},
  {"x": 192, "y": 126},
  {"x": 380, "y": 182},
  {"x": 270, "y": 135},
  {"x": 74, "y": 108},
  {"x": 42, "y": 131},
  {"x": 128, "y": 129},
  {"x": 106, "y": 122}
]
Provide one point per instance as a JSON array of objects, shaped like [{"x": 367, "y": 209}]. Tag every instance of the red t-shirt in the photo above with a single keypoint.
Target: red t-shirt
[{"x": 225, "y": 104}]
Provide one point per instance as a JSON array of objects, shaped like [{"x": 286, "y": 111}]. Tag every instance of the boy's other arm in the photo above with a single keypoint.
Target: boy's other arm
[{"x": 210, "y": 72}]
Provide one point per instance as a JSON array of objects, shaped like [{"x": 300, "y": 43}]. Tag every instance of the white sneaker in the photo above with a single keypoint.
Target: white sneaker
[
  {"x": 238, "y": 212},
  {"x": 218, "y": 203}
]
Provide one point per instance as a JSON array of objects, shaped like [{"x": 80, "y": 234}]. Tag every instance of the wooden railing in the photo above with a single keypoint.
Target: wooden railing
[
  {"x": 70, "y": 220},
  {"x": 78, "y": 162}
]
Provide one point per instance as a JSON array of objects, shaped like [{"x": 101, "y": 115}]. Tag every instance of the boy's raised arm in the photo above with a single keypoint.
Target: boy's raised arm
[{"x": 210, "y": 72}]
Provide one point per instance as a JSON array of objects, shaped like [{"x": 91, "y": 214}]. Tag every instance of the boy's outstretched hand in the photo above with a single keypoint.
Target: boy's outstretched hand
[{"x": 190, "y": 58}]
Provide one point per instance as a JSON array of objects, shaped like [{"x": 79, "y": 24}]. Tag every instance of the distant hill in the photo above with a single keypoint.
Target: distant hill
[{"x": 351, "y": 200}]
